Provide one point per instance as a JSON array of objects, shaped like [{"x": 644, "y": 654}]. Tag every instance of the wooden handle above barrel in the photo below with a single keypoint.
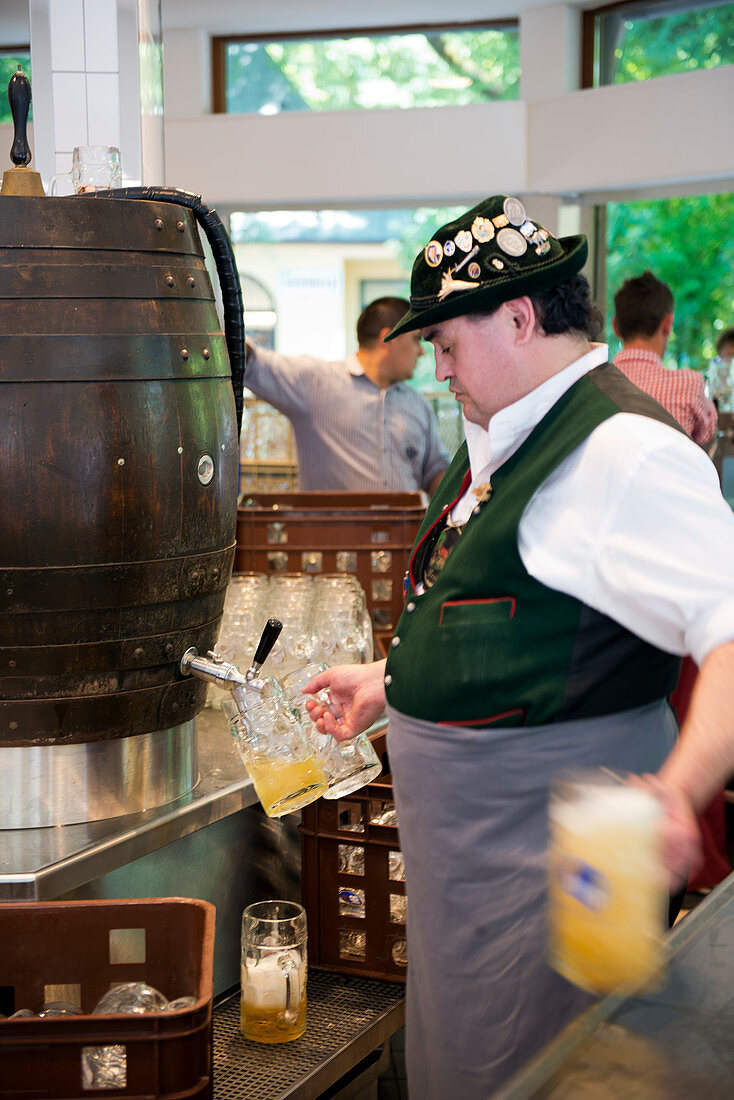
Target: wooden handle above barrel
[
  {"x": 19, "y": 97},
  {"x": 20, "y": 180}
]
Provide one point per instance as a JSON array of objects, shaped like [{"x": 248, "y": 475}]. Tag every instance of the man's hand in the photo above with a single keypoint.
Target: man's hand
[
  {"x": 357, "y": 698},
  {"x": 682, "y": 854}
]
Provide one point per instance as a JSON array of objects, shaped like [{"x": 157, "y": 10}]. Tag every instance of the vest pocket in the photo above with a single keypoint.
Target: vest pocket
[{"x": 477, "y": 613}]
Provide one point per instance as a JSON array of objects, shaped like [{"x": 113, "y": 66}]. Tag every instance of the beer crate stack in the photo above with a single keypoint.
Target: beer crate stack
[
  {"x": 75, "y": 952},
  {"x": 353, "y": 881},
  {"x": 368, "y": 535}
]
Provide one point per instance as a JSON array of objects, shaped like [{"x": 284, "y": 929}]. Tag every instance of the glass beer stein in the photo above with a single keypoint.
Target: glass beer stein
[
  {"x": 607, "y": 883},
  {"x": 348, "y": 765},
  {"x": 94, "y": 168},
  {"x": 273, "y": 747},
  {"x": 274, "y": 971}
]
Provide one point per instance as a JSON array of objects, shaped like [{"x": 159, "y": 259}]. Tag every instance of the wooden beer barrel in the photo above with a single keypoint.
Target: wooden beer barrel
[{"x": 119, "y": 460}]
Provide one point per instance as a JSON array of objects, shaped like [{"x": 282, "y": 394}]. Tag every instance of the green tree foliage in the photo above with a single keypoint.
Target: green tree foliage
[
  {"x": 409, "y": 70},
  {"x": 688, "y": 243},
  {"x": 637, "y": 47}
]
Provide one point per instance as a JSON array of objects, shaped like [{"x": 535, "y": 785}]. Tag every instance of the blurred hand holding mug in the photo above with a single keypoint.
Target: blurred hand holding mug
[
  {"x": 93, "y": 168},
  {"x": 608, "y": 892}
]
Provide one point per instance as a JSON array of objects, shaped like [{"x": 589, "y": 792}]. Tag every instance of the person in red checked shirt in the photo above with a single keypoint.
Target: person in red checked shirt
[{"x": 643, "y": 321}]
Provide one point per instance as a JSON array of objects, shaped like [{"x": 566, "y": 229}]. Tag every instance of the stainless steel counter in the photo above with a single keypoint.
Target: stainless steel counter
[
  {"x": 44, "y": 864},
  {"x": 671, "y": 1045},
  {"x": 213, "y": 843}
]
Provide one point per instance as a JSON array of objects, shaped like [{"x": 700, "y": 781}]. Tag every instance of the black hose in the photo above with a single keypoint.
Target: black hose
[{"x": 229, "y": 279}]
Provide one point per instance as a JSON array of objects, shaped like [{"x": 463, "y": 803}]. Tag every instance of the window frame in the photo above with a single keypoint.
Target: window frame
[
  {"x": 219, "y": 43},
  {"x": 588, "y": 27}
]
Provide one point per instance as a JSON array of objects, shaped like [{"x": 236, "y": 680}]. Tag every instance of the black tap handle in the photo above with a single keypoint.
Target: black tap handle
[
  {"x": 19, "y": 97},
  {"x": 269, "y": 637}
]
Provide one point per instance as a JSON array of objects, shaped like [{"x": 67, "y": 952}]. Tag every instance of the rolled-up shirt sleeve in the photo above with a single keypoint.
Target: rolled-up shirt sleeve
[
  {"x": 633, "y": 523},
  {"x": 284, "y": 381}
]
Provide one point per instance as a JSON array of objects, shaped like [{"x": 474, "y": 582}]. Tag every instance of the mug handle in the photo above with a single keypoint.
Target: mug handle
[
  {"x": 53, "y": 180},
  {"x": 289, "y": 1015}
]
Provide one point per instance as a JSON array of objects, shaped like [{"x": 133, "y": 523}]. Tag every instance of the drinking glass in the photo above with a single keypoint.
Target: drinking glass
[
  {"x": 274, "y": 971},
  {"x": 93, "y": 168},
  {"x": 607, "y": 883},
  {"x": 348, "y": 765},
  {"x": 273, "y": 747}
]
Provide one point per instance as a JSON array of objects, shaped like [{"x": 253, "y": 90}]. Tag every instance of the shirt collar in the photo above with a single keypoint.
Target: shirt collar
[
  {"x": 638, "y": 356},
  {"x": 355, "y": 368},
  {"x": 510, "y": 427}
]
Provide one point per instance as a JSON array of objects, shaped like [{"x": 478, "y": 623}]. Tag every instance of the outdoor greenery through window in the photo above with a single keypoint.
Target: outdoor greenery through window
[
  {"x": 687, "y": 242},
  {"x": 639, "y": 41},
  {"x": 10, "y": 59},
  {"x": 429, "y": 67}
]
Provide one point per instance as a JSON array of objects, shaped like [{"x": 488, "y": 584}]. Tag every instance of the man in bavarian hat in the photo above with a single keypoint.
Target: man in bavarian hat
[{"x": 577, "y": 546}]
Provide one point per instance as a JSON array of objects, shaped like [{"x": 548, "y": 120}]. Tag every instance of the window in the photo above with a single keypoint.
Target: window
[
  {"x": 10, "y": 58},
  {"x": 686, "y": 242},
  {"x": 406, "y": 67},
  {"x": 636, "y": 41}
]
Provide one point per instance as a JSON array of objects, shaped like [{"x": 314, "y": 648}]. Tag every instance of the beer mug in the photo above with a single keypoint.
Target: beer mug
[
  {"x": 274, "y": 971},
  {"x": 273, "y": 747},
  {"x": 608, "y": 892},
  {"x": 93, "y": 168},
  {"x": 348, "y": 764}
]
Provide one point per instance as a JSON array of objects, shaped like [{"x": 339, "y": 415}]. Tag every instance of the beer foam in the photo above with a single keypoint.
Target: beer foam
[
  {"x": 264, "y": 979},
  {"x": 607, "y": 806}
]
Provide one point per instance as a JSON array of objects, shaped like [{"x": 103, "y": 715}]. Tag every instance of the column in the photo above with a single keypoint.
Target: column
[{"x": 97, "y": 75}]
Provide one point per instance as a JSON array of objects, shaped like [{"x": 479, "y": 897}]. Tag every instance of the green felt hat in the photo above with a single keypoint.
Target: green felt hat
[{"x": 489, "y": 255}]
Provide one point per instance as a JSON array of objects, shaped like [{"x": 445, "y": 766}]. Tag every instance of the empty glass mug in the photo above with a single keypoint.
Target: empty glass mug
[
  {"x": 275, "y": 751},
  {"x": 348, "y": 764},
  {"x": 607, "y": 883},
  {"x": 274, "y": 971},
  {"x": 93, "y": 168}
]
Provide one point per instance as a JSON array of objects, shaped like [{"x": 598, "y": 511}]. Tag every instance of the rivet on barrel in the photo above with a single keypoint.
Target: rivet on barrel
[
  {"x": 121, "y": 462},
  {"x": 138, "y": 652},
  {"x": 206, "y": 353},
  {"x": 170, "y": 281},
  {"x": 158, "y": 224},
  {"x": 191, "y": 280},
  {"x": 184, "y": 354},
  {"x": 180, "y": 226}
]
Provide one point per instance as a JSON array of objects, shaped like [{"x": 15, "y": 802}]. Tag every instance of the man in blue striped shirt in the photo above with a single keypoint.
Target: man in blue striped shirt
[{"x": 357, "y": 425}]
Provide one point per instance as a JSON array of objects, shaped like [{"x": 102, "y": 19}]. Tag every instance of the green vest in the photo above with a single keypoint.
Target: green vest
[{"x": 488, "y": 644}]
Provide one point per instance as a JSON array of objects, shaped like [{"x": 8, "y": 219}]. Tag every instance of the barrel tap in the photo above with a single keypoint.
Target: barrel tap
[{"x": 227, "y": 676}]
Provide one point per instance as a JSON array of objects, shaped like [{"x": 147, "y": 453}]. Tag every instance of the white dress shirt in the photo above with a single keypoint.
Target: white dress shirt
[{"x": 631, "y": 523}]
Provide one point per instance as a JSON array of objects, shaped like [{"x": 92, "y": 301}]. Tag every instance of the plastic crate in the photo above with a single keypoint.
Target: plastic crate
[
  {"x": 75, "y": 951},
  {"x": 366, "y": 534},
  {"x": 356, "y": 921}
]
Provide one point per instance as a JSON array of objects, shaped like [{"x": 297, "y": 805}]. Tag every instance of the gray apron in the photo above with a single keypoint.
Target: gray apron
[{"x": 471, "y": 807}]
